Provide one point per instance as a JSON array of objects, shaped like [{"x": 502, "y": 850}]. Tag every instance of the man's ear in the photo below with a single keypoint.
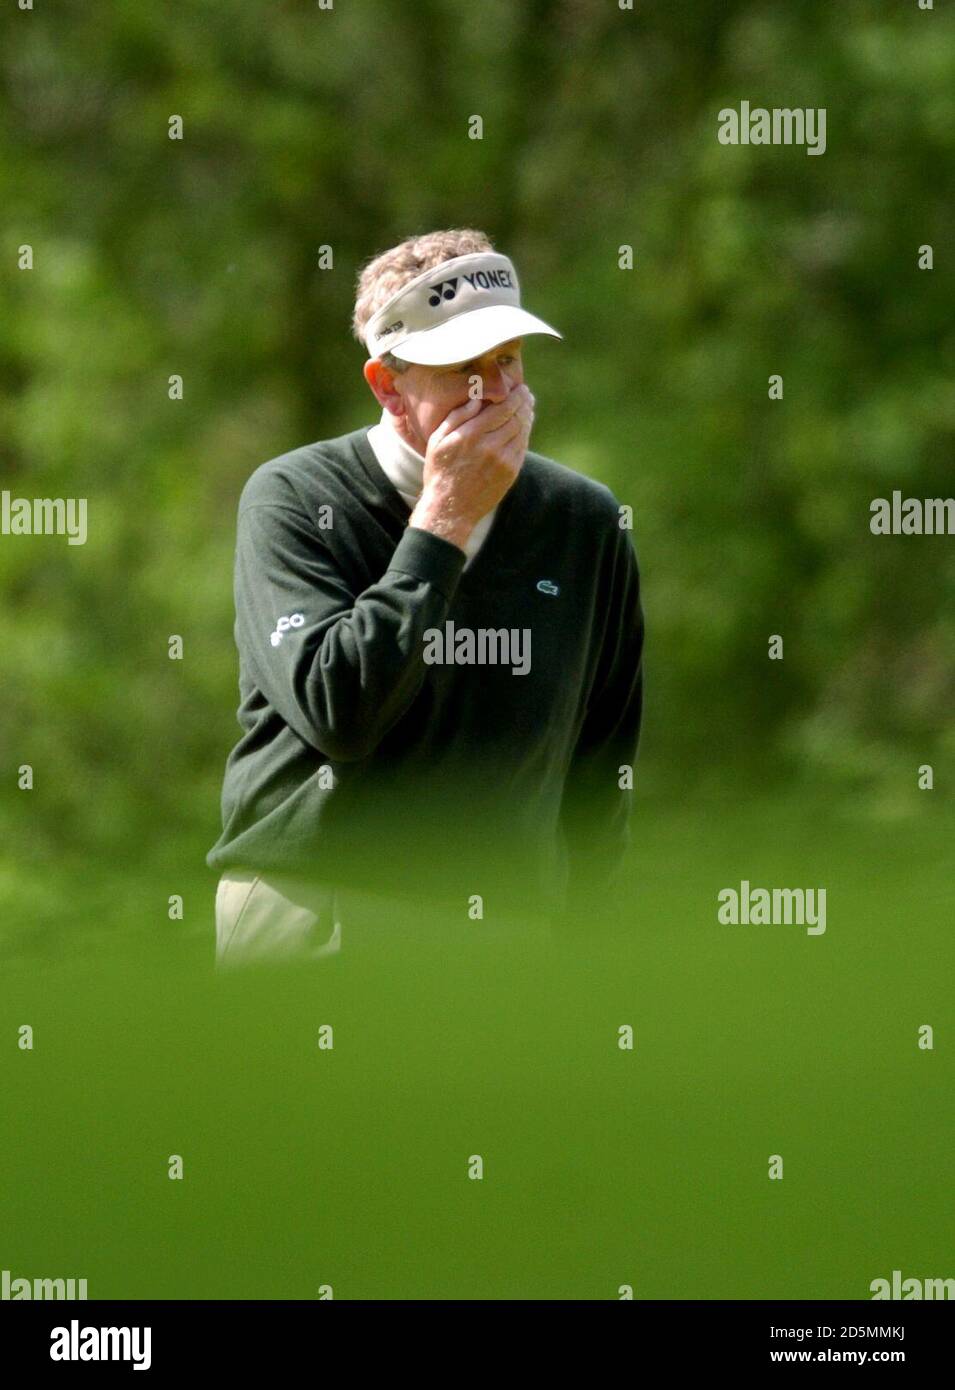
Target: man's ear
[{"x": 382, "y": 382}]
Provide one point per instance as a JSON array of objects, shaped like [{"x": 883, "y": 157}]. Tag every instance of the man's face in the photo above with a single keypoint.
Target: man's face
[{"x": 419, "y": 398}]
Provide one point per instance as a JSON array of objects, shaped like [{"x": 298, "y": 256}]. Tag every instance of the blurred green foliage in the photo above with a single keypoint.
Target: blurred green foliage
[{"x": 347, "y": 128}]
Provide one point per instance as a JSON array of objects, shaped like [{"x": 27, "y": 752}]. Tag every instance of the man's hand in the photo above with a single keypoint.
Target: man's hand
[{"x": 473, "y": 459}]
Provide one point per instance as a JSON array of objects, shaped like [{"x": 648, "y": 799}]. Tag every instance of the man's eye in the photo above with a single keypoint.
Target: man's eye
[{"x": 471, "y": 368}]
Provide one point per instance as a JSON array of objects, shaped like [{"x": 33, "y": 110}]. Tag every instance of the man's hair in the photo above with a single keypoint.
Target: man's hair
[{"x": 384, "y": 275}]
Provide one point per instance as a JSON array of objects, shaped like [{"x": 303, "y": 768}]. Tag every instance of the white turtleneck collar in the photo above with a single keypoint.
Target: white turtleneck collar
[{"x": 403, "y": 466}]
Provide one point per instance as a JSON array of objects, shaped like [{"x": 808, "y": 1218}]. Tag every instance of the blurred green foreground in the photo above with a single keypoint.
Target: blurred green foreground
[{"x": 602, "y": 1167}]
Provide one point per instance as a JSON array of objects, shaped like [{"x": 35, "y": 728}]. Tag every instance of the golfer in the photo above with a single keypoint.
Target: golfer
[{"x": 440, "y": 638}]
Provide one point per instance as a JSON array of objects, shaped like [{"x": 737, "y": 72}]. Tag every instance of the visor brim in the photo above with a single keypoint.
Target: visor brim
[{"x": 470, "y": 335}]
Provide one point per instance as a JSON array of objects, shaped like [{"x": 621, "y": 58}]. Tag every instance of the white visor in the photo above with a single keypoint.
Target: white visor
[{"x": 454, "y": 312}]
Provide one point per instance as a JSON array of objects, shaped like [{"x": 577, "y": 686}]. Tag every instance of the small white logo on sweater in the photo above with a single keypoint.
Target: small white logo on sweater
[
  {"x": 547, "y": 586},
  {"x": 283, "y": 625}
]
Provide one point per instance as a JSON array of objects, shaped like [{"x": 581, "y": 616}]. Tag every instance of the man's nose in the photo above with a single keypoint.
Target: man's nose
[{"x": 495, "y": 384}]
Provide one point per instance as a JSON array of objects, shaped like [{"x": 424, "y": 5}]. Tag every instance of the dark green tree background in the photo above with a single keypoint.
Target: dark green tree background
[{"x": 348, "y": 128}]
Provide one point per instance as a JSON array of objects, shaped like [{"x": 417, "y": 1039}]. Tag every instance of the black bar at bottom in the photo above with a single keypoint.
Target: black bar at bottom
[{"x": 65, "y": 1337}]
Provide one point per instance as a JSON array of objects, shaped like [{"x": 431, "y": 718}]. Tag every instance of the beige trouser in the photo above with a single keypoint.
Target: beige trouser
[
  {"x": 274, "y": 917},
  {"x": 277, "y": 918}
]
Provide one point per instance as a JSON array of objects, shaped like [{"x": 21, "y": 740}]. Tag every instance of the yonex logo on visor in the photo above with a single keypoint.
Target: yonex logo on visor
[
  {"x": 484, "y": 280},
  {"x": 444, "y": 290},
  {"x": 454, "y": 312},
  {"x": 480, "y": 280}
]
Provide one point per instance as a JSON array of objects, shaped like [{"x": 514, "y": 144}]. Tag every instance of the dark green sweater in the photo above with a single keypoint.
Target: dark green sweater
[{"x": 361, "y": 763}]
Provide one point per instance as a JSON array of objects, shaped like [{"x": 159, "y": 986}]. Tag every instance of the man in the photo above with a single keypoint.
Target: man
[{"x": 440, "y": 639}]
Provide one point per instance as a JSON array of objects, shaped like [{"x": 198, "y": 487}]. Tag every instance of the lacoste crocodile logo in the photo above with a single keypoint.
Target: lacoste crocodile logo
[{"x": 547, "y": 586}]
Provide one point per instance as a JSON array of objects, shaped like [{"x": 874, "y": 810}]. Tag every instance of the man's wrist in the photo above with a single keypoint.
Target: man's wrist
[{"x": 435, "y": 514}]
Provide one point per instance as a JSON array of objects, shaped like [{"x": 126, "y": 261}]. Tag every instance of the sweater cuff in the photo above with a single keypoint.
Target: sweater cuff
[{"x": 429, "y": 558}]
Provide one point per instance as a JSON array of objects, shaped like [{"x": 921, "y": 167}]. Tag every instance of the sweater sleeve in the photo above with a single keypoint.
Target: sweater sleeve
[
  {"x": 340, "y": 668},
  {"x": 596, "y": 806}
]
